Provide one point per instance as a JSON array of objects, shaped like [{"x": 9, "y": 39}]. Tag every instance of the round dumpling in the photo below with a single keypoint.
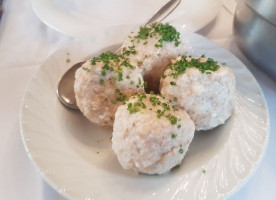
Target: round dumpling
[
  {"x": 149, "y": 135},
  {"x": 151, "y": 49},
  {"x": 104, "y": 83},
  {"x": 203, "y": 88}
]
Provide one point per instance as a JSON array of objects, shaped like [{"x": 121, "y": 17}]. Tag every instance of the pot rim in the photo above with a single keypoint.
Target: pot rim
[{"x": 266, "y": 9}]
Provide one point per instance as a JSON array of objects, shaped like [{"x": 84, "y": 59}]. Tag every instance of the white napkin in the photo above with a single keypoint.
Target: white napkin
[{"x": 24, "y": 39}]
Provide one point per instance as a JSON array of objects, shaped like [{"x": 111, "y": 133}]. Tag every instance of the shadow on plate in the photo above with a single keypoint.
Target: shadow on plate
[
  {"x": 206, "y": 144},
  {"x": 91, "y": 141}
]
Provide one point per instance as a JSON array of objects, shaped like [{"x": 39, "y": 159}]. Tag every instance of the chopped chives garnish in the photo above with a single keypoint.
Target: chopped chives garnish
[
  {"x": 165, "y": 32},
  {"x": 155, "y": 100},
  {"x": 180, "y": 66}
]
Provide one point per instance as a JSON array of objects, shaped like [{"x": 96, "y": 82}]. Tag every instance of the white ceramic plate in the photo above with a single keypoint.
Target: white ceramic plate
[
  {"x": 85, "y": 17},
  {"x": 75, "y": 157}
]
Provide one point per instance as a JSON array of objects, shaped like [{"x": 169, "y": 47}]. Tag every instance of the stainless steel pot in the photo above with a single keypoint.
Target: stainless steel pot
[{"x": 255, "y": 32}]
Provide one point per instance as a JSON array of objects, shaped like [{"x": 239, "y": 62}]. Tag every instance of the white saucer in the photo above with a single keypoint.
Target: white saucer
[{"x": 85, "y": 17}]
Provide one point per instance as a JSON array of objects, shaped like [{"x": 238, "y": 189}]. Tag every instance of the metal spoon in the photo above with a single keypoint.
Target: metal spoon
[{"x": 65, "y": 90}]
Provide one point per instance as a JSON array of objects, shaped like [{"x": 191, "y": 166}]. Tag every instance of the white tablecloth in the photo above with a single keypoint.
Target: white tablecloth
[{"x": 25, "y": 42}]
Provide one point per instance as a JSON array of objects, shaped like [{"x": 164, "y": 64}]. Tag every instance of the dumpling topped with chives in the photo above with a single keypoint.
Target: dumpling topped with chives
[
  {"x": 150, "y": 135},
  {"x": 103, "y": 83},
  {"x": 205, "y": 89},
  {"x": 151, "y": 48}
]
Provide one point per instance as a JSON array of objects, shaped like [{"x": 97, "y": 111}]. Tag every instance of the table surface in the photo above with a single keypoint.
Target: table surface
[{"x": 25, "y": 42}]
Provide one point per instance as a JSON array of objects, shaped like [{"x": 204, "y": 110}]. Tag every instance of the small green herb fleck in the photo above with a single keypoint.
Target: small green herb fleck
[
  {"x": 174, "y": 136},
  {"x": 101, "y": 82},
  {"x": 181, "y": 150},
  {"x": 174, "y": 99},
  {"x": 145, "y": 85},
  {"x": 176, "y": 167},
  {"x": 139, "y": 81},
  {"x": 68, "y": 60},
  {"x": 173, "y": 83},
  {"x": 128, "y": 51},
  {"x": 172, "y": 118},
  {"x": 133, "y": 108},
  {"x": 86, "y": 69},
  {"x": 203, "y": 171}
]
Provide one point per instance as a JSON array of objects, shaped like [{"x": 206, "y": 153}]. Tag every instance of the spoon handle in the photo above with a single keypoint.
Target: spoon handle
[{"x": 164, "y": 11}]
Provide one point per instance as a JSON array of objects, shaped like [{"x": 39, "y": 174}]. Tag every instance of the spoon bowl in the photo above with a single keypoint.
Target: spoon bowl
[{"x": 65, "y": 90}]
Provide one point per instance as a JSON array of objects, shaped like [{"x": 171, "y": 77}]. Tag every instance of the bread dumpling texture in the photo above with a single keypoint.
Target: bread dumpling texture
[
  {"x": 205, "y": 89},
  {"x": 103, "y": 83},
  {"x": 149, "y": 135}
]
